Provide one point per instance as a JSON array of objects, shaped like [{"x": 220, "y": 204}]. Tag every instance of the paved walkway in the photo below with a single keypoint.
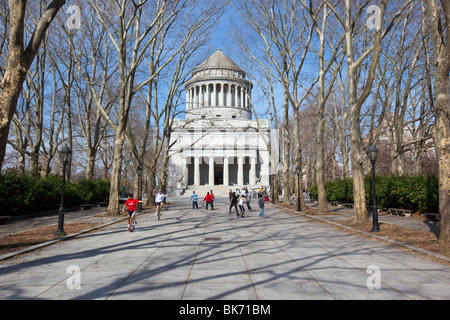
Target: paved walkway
[{"x": 199, "y": 254}]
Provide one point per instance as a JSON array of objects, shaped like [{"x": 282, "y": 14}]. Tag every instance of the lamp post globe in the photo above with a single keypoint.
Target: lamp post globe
[{"x": 372, "y": 153}]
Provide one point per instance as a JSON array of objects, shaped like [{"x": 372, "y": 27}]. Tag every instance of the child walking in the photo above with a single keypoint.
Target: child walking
[
  {"x": 261, "y": 205},
  {"x": 194, "y": 199}
]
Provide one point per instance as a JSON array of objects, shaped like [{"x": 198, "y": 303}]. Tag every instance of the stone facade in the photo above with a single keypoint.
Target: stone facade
[{"x": 218, "y": 143}]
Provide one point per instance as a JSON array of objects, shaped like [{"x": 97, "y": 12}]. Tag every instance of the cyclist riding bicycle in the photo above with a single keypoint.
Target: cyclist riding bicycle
[
  {"x": 131, "y": 203},
  {"x": 159, "y": 198}
]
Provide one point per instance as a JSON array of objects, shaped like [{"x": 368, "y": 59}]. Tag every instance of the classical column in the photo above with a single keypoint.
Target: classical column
[
  {"x": 226, "y": 174},
  {"x": 233, "y": 99},
  {"x": 221, "y": 95},
  {"x": 225, "y": 96},
  {"x": 214, "y": 95},
  {"x": 240, "y": 179},
  {"x": 197, "y": 171},
  {"x": 208, "y": 96},
  {"x": 187, "y": 99},
  {"x": 197, "y": 96},
  {"x": 211, "y": 171},
  {"x": 203, "y": 88},
  {"x": 194, "y": 97},
  {"x": 241, "y": 102},
  {"x": 184, "y": 172},
  {"x": 252, "y": 173}
]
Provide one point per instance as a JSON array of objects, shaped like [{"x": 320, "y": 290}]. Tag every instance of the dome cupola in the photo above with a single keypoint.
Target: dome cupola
[{"x": 218, "y": 89}]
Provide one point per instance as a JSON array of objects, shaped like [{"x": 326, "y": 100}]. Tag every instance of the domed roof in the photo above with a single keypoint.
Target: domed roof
[{"x": 218, "y": 61}]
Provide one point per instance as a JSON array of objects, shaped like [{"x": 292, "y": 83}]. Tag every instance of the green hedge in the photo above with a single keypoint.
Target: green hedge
[
  {"x": 23, "y": 194},
  {"x": 418, "y": 192}
]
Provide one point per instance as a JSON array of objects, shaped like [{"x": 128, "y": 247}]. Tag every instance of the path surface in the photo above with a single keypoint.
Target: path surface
[{"x": 199, "y": 254}]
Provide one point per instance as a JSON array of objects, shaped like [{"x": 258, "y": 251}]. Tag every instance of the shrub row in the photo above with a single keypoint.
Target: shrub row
[
  {"x": 418, "y": 192},
  {"x": 23, "y": 194}
]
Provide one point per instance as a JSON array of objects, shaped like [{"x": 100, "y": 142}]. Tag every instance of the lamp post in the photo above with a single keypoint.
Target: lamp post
[
  {"x": 139, "y": 173},
  {"x": 298, "y": 170},
  {"x": 165, "y": 186},
  {"x": 372, "y": 153},
  {"x": 65, "y": 157}
]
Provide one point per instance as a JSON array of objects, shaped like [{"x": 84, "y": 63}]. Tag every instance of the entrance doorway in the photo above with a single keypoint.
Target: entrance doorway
[{"x": 218, "y": 175}]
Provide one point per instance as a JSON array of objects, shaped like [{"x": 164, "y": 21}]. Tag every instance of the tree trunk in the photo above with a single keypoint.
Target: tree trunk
[
  {"x": 355, "y": 103},
  {"x": 113, "y": 206},
  {"x": 441, "y": 52},
  {"x": 442, "y": 141},
  {"x": 359, "y": 195},
  {"x": 320, "y": 168},
  {"x": 286, "y": 152},
  {"x": 90, "y": 164},
  {"x": 151, "y": 183},
  {"x": 9, "y": 95}
]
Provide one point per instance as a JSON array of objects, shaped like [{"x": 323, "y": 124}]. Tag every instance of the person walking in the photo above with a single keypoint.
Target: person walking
[
  {"x": 208, "y": 199},
  {"x": 248, "y": 198},
  {"x": 261, "y": 205},
  {"x": 194, "y": 199},
  {"x": 241, "y": 205},
  {"x": 212, "y": 199},
  {"x": 233, "y": 203}
]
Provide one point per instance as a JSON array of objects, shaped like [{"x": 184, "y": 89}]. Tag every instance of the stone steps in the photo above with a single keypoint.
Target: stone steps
[{"x": 219, "y": 191}]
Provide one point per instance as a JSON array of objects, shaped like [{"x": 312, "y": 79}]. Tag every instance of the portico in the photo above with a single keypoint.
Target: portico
[{"x": 219, "y": 170}]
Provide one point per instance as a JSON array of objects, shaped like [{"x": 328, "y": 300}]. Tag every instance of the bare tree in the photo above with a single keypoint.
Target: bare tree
[
  {"x": 167, "y": 61},
  {"x": 131, "y": 27},
  {"x": 19, "y": 60},
  {"x": 323, "y": 95},
  {"x": 90, "y": 50},
  {"x": 135, "y": 28},
  {"x": 357, "y": 96},
  {"x": 285, "y": 33}
]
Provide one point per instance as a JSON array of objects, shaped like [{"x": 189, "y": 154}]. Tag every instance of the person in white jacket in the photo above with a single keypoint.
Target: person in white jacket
[
  {"x": 241, "y": 205},
  {"x": 159, "y": 198}
]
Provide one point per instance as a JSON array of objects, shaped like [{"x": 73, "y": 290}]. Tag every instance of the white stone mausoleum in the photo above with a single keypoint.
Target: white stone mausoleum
[{"x": 218, "y": 143}]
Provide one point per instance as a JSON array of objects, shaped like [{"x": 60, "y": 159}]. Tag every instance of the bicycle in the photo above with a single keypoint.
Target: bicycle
[{"x": 132, "y": 224}]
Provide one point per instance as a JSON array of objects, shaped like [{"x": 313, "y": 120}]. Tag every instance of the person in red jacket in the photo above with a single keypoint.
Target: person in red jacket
[
  {"x": 208, "y": 199},
  {"x": 212, "y": 200},
  {"x": 131, "y": 203}
]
